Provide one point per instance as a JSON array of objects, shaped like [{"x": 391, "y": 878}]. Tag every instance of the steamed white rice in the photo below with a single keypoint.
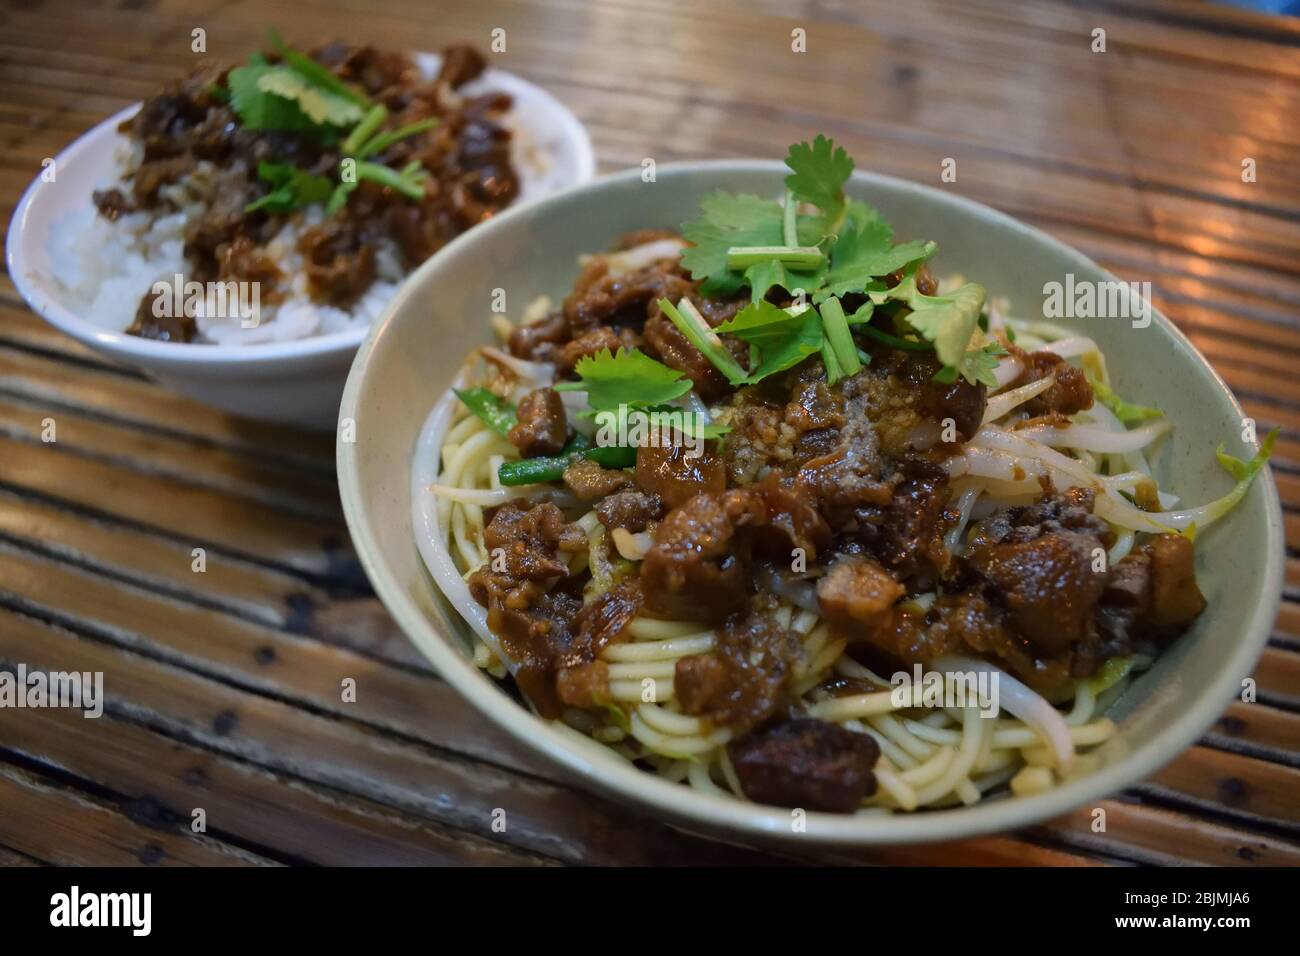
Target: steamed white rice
[{"x": 106, "y": 268}]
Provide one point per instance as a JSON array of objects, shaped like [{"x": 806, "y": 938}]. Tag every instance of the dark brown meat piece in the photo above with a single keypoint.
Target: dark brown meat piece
[
  {"x": 488, "y": 181},
  {"x": 907, "y": 534},
  {"x": 623, "y": 299},
  {"x": 603, "y": 620},
  {"x": 1048, "y": 584},
  {"x": 540, "y": 341},
  {"x": 1070, "y": 394},
  {"x": 856, "y": 596},
  {"x": 542, "y": 427},
  {"x": 589, "y": 481},
  {"x": 630, "y": 510},
  {"x": 696, "y": 569},
  {"x": 807, "y": 763},
  {"x": 744, "y": 681},
  {"x": 111, "y": 203},
  {"x": 340, "y": 265},
  {"x": 585, "y": 686},
  {"x": 597, "y": 340},
  {"x": 1070, "y": 511},
  {"x": 243, "y": 261},
  {"x": 223, "y": 225},
  {"x": 673, "y": 476},
  {"x": 460, "y": 64},
  {"x": 154, "y": 174},
  {"x": 1176, "y": 600},
  {"x": 373, "y": 69},
  {"x": 528, "y": 553},
  {"x": 792, "y": 522},
  {"x": 175, "y": 327}
]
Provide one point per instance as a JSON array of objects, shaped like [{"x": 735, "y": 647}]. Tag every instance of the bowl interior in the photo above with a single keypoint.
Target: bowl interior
[{"x": 442, "y": 312}]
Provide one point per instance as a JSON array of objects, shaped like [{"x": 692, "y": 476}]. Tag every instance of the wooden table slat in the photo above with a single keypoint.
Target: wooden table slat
[{"x": 224, "y": 686}]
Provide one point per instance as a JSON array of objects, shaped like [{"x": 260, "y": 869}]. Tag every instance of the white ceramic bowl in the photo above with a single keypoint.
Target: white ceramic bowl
[
  {"x": 296, "y": 382},
  {"x": 440, "y": 315}
]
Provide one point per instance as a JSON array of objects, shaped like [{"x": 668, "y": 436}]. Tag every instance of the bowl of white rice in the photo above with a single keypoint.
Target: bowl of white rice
[{"x": 286, "y": 363}]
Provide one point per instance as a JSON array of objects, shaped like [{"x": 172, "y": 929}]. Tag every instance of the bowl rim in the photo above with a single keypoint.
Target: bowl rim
[
  {"x": 691, "y": 808},
  {"x": 189, "y": 354}
]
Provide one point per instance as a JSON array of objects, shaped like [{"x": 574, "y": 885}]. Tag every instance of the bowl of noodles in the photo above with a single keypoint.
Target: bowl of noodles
[{"x": 793, "y": 502}]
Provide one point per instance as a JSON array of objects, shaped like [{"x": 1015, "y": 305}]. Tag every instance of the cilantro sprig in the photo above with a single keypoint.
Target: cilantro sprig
[
  {"x": 300, "y": 95},
  {"x": 626, "y": 377},
  {"x": 627, "y": 380},
  {"x": 826, "y": 245}
]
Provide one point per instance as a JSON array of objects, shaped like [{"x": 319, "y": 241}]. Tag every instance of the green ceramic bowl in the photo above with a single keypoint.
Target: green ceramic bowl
[{"x": 441, "y": 314}]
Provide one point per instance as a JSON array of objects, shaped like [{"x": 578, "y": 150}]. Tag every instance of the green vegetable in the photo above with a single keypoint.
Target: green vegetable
[
  {"x": 790, "y": 219},
  {"x": 291, "y": 188},
  {"x": 977, "y": 366},
  {"x": 1126, "y": 412},
  {"x": 365, "y": 129},
  {"x": 409, "y": 180},
  {"x": 298, "y": 94},
  {"x": 836, "y": 329},
  {"x": 1110, "y": 673},
  {"x": 946, "y": 321},
  {"x": 258, "y": 109},
  {"x": 861, "y": 320},
  {"x": 796, "y": 257},
  {"x": 690, "y": 424},
  {"x": 322, "y": 106},
  {"x": 728, "y": 221},
  {"x": 843, "y": 247},
  {"x": 818, "y": 173},
  {"x": 865, "y": 252},
  {"x": 382, "y": 141},
  {"x": 494, "y": 411},
  {"x": 626, "y": 377},
  {"x": 531, "y": 471},
  {"x": 1244, "y": 472},
  {"x": 315, "y": 73},
  {"x": 762, "y": 276},
  {"x": 781, "y": 339},
  {"x": 705, "y": 340}
]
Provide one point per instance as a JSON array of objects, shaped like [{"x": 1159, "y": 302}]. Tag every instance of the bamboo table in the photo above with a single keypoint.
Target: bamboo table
[{"x": 223, "y": 687}]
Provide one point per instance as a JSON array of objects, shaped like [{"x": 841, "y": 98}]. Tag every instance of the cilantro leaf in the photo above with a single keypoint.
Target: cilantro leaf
[
  {"x": 626, "y": 377},
  {"x": 978, "y": 366},
  {"x": 946, "y": 321},
  {"x": 818, "y": 173},
  {"x": 762, "y": 276},
  {"x": 291, "y": 188},
  {"x": 298, "y": 94},
  {"x": 258, "y": 109},
  {"x": 782, "y": 340},
  {"x": 324, "y": 107},
  {"x": 727, "y": 220},
  {"x": 689, "y": 422},
  {"x": 867, "y": 252},
  {"x": 317, "y": 74}
]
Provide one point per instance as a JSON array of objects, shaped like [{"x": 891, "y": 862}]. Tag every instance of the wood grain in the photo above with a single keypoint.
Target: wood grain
[{"x": 223, "y": 686}]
